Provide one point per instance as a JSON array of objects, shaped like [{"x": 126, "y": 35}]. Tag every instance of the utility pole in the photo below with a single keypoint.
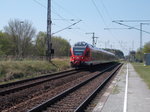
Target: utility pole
[
  {"x": 141, "y": 30},
  {"x": 93, "y": 38},
  {"x": 120, "y": 22},
  {"x": 48, "y": 39}
]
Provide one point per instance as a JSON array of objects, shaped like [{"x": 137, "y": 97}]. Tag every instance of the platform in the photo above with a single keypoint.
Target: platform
[{"x": 127, "y": 93}]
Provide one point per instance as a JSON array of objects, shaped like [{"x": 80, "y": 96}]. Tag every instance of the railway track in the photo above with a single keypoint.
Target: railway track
[
  {"x": 23, "y": 84},
  {"x": 77, "y": 97},
  {"x": 25, "y": 99},
  {"x": 16, "y": 94}
]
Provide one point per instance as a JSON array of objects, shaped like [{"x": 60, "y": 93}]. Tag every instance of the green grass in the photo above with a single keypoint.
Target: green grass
[
  {"x": 143, "y": 71},
  {"x": 17, "y": 70}
]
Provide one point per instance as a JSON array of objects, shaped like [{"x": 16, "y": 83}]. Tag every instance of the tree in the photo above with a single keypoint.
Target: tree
[
  {"x": 146, "y": 48},
  {"x": 140, "y": 52},
  {"x": 118, "y": 53},
  {"x": 40, "y": 45},
  {"x": 5, "y": 44},
  {"x": 21, "y": 33},
  {"x": 61, "y": 46},
  {"x": 139, "y": 55}
]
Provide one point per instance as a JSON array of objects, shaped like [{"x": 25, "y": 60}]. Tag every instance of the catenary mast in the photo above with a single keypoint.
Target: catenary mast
[{"x": 48, "y": 39}]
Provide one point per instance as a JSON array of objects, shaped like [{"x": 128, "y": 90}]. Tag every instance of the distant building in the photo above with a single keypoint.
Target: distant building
[{"x": 146, "y": 59}]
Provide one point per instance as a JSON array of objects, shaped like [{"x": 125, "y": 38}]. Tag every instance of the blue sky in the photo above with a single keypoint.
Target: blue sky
[{"x": 94, "y": 19}]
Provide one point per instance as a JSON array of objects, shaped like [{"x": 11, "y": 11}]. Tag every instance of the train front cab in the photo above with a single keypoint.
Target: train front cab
[{"x": 79, "y": 56}]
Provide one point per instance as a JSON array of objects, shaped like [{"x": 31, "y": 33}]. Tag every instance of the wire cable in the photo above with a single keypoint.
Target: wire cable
[
  {"x": 99, "y": 12},
  {"x": 54, "y": 11},
  {"x": 40, "y": 4}
]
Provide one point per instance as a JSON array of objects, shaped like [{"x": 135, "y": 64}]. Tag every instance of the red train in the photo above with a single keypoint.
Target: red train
[{"x": 83, "y": 53}]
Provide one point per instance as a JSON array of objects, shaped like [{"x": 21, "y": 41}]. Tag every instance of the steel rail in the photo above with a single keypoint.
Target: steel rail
[
  {"x": 51, "y": 77},
  {"x": 87, "y": 101},
  {"x": 35, "y": 78},
  {"x": 51, "y": 101}
]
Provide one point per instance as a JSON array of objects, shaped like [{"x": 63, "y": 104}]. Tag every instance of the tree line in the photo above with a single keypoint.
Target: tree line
[
  {"x": 117, "y": 52},
  {"x": 139, "y": 54},
  {"x": 19, "y": 39}
]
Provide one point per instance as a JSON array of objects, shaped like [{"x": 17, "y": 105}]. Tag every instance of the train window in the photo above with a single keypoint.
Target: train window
[
  {"x": 80, "y": 44},
  {"x": 78, "y": 51}
]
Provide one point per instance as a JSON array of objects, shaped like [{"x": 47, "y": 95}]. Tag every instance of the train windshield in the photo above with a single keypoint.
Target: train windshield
[{"x": 78, "y": 51}]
